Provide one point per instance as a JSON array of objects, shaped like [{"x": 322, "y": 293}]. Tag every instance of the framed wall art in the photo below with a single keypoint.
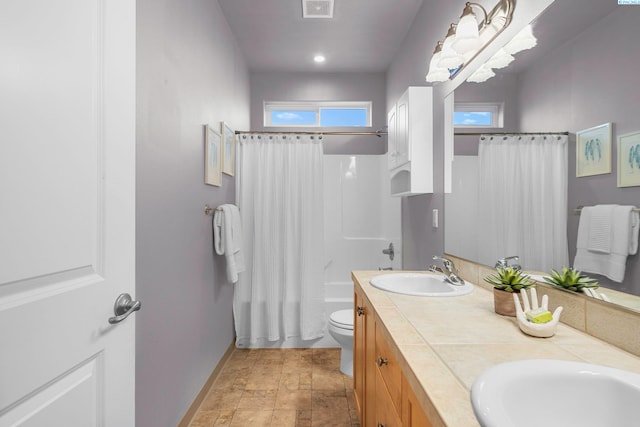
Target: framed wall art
[
  {"x": 228, "y": 149},
  {"x": 629, "y": 160},
  {"x": 213, "y": 156},
  {"x": 593, "y": 151}
]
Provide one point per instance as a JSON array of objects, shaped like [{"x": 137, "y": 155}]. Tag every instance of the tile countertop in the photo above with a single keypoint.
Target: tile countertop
[{"x": 446, "y": 342}]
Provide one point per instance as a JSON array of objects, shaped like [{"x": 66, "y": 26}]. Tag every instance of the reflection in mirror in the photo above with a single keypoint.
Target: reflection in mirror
[{"x": 582, "y": 73}]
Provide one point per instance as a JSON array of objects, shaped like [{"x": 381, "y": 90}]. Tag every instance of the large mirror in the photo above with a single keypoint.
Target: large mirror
[{"x": 583, "y": 73}]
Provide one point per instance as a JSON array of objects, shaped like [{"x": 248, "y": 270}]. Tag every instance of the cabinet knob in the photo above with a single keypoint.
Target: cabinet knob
[
  {"x": 382, "y": 361},
  {"x": 360, "y": 310}
]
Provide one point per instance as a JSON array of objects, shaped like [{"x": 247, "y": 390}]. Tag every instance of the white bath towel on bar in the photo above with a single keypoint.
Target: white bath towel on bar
[
  {"x": 227, "y": 239},
  {"x": 623, "y": 242},
  {"x": 600, "y": 228}
]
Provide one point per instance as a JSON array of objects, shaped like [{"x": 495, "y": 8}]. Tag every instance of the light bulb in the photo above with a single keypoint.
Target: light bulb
[
  {"x": 467, "y": 37},
  {"x": 436, "y": 73},
  {"x": 449, "y": 58}
]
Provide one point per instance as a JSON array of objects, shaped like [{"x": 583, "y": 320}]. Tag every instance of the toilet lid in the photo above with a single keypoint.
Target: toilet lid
[{"x": 342, "y": 319}]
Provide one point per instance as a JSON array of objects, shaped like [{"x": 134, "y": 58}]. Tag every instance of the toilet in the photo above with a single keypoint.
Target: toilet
[{"x": 341, "y": 329}]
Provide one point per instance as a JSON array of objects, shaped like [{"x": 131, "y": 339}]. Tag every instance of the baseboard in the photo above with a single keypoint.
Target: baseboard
[{"x": 191, "y": 412}]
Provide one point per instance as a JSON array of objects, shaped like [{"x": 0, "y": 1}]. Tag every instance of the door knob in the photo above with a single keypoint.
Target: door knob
[{"x": 123, "y": 307}]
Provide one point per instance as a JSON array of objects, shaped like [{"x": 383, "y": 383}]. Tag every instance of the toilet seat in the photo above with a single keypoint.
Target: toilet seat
[{"x": 342, "y": 319}]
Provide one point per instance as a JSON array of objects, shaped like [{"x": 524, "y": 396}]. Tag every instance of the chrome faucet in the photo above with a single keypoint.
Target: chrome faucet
[
  {"x": 504, "y": 262},
  {"x": 451, "y": 271},
  {"x": 435, "y": 269},
  {"x": 389, "y": 251}
]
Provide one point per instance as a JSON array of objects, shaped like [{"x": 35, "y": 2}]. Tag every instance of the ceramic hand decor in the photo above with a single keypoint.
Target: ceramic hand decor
[{"x": 530, "y": 314}]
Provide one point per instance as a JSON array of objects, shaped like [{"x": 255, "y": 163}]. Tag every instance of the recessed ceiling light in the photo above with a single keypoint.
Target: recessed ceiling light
[{"x": 319, "y": 59}]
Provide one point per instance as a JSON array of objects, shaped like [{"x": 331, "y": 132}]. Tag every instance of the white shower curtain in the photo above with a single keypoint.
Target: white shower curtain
[
  {"x": 280, "y": 298},
  {"x": 523, "y": 200}
]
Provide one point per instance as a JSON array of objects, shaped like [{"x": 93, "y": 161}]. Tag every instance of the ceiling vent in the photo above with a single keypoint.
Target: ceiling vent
[{"x": 317, "y": 8}]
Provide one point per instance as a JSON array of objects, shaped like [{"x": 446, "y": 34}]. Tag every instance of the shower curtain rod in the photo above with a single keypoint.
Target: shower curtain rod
[
  {"x": 508, "y": 133},
  {"x": 377, "y": 133}
]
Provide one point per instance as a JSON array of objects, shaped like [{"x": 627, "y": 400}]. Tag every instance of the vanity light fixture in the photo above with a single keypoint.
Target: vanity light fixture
[
  {"x": 437, "y": 73},
  {"x": 467, "y": 38}
]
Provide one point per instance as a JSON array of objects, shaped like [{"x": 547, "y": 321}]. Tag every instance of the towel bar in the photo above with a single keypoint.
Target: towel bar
[
  {"x": 208, "y": 209},
  {"x": 579, "y": 209}
]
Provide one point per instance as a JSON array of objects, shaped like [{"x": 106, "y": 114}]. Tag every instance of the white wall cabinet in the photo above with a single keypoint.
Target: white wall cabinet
[{"x": 410, "y": 142}]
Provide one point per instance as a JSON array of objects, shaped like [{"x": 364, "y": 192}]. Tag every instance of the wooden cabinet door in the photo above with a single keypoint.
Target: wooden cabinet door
[
  {"x": 364, "y": 348},
  {"x": 412, "y": 413},
  {"x": 369, "y": 365},
  {"x": 389, "y": 369},
  {"x": 358, "y": 354},
  {"x": 385, "y": 411}
]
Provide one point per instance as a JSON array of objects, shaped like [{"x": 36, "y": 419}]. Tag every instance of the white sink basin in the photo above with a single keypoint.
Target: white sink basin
[
  {"x": 421, "y": 284},
  {"x": 556, "y": 393}
]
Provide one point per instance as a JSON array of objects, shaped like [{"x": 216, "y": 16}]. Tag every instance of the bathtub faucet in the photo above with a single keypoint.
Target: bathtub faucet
[{"x": 451, "y": 271}]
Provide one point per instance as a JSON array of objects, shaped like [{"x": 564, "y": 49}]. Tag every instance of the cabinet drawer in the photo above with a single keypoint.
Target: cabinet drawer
[
  {"x": 386, "y": 412},
  {"x": 388, "y": 369}
]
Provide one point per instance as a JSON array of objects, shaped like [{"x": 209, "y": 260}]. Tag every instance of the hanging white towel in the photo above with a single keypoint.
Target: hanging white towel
[
  {"x": 623, "y": 242},
  {"x": 635, "y": 226},
  {"x": 600, "y": 225},
  {"x": 227, "y": 239}
]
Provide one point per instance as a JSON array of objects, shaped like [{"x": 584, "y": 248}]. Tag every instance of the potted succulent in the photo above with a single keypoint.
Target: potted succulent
[
  {"x": 506, "y": 281},
  {"x": 570, "y": 279}
]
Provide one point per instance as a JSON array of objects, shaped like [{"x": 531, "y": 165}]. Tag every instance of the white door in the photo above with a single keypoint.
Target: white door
[{"x": 67, "y": 170}]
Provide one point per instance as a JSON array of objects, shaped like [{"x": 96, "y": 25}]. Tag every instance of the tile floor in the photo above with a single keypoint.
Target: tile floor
[{"x": 280, "y": 387}]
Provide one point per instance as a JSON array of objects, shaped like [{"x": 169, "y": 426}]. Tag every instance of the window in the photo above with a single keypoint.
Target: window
[
  {"x": 478, "y": 115},
  {"x": 317, "y": 114}
]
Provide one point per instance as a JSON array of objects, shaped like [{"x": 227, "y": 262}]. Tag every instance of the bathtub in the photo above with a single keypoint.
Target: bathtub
[{"x": 360, "y": 220}]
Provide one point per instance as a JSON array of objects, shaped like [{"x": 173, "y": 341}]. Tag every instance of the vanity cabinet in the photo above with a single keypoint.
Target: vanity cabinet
[
  {"x": 410, "y": 142},
  {"x": 383, "y": 396}
]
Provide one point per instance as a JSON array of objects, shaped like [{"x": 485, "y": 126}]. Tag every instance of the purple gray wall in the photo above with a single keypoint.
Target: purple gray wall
[
  {"x": 282, "y": 86},
  {"x": 189, "y": 72},
  {"x": 591, "y": 80}
]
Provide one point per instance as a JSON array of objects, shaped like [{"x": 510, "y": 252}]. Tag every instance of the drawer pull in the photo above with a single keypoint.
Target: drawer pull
[
  {"x": 380, "y": 425},
  {"x": 382, "y": 361},
  {"x": 360, "y": 310}
]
